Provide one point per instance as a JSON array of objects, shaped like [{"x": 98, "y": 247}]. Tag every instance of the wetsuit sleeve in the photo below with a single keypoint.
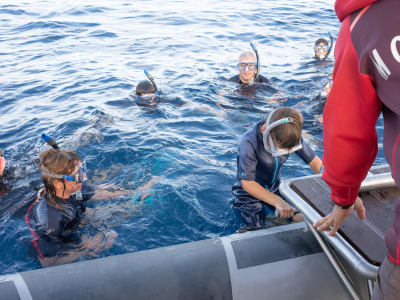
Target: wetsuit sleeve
[
  {"x": 305, "y": 153},
  {"x": 247, "y": 163},
  {"x": 350, "y": 115}
]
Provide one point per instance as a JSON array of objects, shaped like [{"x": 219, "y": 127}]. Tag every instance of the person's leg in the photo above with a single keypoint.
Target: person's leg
[
  {"x": 387, "y": 285},
  {"x": 253, "y": 214}
]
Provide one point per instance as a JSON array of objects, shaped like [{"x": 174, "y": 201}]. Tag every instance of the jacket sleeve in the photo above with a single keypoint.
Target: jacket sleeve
[{"x": 350, "y": 115}]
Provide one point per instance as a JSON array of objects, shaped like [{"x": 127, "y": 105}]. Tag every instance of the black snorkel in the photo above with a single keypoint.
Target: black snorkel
[
  {"x": 330, "y": 47},
  {"x": 151, "y": 80},
  {"x": 50, "y": 141},
  {"x": 258, "y": 61}
]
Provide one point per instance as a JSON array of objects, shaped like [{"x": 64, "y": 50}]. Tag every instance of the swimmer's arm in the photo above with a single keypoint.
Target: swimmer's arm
[
  {"x": 279, "y": 96},
  {"x": 316, "y": 165},
  {"x": 259, "y": 192},
  {"x": 102, "y": 193},
  {"x": 68, "y": 257}
]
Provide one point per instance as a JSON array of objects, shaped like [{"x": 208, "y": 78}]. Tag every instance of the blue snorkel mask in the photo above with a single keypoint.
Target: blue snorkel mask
[
  {"x": 269, "y": 145},
  {"x": 79, "y": 176}
]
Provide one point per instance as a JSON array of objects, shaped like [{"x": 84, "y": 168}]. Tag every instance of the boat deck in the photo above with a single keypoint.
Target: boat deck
[{"x": 366, "y": 236}]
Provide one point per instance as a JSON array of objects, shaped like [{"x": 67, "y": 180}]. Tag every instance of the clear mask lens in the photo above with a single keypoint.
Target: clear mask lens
[{"x": 250, "y": 66}]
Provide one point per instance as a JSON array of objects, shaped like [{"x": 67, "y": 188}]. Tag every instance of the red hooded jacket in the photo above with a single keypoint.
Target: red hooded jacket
[{"x": 366, "y": 82}]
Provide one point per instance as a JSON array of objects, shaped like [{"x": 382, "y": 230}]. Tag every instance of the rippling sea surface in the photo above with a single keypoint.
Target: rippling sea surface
[{"x": 69, "y": 71}]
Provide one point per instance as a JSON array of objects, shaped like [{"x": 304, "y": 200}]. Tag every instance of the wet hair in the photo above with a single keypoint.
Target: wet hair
[
  {"x": 287, "y": 135},
  {"x": 321, "y": 41},
  {"x": 145, "y": 87},
  {"x": 246, "y": 54},
  {"x": 57, "y": 162}
]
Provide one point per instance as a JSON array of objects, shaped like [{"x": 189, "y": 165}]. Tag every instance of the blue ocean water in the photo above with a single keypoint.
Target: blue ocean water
[{"x": 69, "y": 69}]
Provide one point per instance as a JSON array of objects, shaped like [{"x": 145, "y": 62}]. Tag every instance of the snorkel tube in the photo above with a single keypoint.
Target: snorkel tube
[
  {"x": 50, "y": 141},
  {"x": 330, "y": 47},
  {"x": 151, "y": 80},
  {"x": 258, "y": 61}
]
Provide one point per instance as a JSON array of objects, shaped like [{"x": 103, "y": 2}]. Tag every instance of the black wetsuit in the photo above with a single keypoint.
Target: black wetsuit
[
  {"x": 52, "y": 228},
  {"x": 255, "y": 163},
  {"x": 6, "y": 179},
  {"x": 260, "y": 79}
]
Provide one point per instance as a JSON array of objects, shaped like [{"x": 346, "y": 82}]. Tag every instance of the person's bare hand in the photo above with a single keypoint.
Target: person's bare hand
[
  {"x": 333, "y": 220},
  {"x": 285, "y": 210}
]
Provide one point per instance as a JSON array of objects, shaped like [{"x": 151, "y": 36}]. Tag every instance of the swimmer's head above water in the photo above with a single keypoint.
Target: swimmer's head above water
[
  {"x": 145, "y": 88},
  {"x": 62, "y": 173},
  {"x": 322, "y": 48},
  {"x": 247, "y": 67}
]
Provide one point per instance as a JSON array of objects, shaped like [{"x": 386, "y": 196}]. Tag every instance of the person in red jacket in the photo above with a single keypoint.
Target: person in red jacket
[{"x": 366, "y": 82}]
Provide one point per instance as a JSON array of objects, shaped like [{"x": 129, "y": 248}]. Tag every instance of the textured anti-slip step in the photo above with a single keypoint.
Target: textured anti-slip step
[{"x": 366, "y": 236}]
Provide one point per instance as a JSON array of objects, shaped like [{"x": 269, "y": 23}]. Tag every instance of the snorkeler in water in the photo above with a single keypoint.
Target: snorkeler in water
[
  {"x": 322, "y": 49},
  {"x": 251, "y": 83},
  {"x": 58, "y": 209},
  {"x": 249, "y": 68},
  {"x": 261, "y": 155},
  {"x": 146, "y": 91}
]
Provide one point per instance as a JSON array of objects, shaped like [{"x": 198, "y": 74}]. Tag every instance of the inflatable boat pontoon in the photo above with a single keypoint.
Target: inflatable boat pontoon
[{"x": 285, "y": 262}]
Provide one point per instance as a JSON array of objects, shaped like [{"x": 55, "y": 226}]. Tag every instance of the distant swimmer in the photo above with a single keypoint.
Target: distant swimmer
[
  {"x": 322, "y": 49},
  {"x": 262, "y": 152},
  {"x": 147, "y": 92},
  {"x": 249, "y": 68}
]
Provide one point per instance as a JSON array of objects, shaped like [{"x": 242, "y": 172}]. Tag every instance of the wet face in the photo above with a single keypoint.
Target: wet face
[
  {"x": 72, "y": 186},
  {"x": 321, "y": 51},
  {"x": 247, "y": 68}
]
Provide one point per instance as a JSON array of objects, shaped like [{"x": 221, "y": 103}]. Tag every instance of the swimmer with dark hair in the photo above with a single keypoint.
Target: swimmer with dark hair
[
  {"x": 322, "y": 48},
  {"x": 146, "y": 91}
]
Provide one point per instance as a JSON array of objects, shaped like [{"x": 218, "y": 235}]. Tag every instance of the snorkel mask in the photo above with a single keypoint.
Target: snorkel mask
[
  {"x": 79, "y": 176},
  {"x": 80, "y": 173},
  {"x": 269, "y": 145}
]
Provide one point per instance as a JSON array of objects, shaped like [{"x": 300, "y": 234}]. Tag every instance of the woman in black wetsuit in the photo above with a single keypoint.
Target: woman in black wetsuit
[{"x": 55, "y": 214}]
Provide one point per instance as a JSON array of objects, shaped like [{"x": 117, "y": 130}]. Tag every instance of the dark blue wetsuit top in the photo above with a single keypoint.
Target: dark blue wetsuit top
[
  {"x": 255, "y": 163},
  {"x": 55, "y": 227},
  {"x": 260, "y": 79}
]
